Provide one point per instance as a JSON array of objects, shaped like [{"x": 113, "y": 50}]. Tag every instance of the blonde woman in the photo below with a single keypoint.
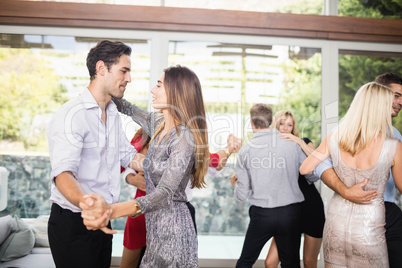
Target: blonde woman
[
  {"x": 354, "y": 234},
  {"x": 178, "y": 153},
  {"x": 313, "y": 217}
]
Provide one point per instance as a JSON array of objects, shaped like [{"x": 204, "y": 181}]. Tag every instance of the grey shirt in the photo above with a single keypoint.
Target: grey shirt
[{"x": 268, "y": 171}]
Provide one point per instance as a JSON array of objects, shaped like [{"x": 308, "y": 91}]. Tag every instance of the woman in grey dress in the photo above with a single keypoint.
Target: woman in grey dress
[
  {"x": 178, "y": 153},
  {"x": 354, "y": 234}
]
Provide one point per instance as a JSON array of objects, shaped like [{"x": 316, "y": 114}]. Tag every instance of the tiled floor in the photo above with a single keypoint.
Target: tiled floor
[{"x": 213, "y": 251}]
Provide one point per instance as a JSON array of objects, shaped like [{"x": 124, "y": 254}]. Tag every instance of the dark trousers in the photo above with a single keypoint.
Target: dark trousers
[
  {"x": 393, "y": 234},
  {"x": 72, "y": 245},
  {"x": 282, "y": 222}
]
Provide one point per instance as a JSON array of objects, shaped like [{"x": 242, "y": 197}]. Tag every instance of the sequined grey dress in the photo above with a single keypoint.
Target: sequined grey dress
[
  {"x": 354, "y": 234},
  {"x": 171, "y": 237}
]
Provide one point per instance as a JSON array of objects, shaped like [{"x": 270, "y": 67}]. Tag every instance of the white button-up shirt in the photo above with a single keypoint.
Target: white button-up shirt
[{"x": 80, "y": 142}]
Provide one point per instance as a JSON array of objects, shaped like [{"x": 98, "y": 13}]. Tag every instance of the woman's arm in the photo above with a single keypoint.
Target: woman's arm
[
  {"x": 147, "y": 120},
  {"x": 306, "y": 148},
  {"x": 397, "y": 167},
  {"x": 316, "y": 157},
  {"x": 137, "y": 162}
]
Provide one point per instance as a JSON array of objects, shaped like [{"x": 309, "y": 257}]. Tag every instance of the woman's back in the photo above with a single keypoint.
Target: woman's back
[
  {"x": 373, "y": 163},
  {"x": 366, "y": 158},
  {"x": 354, "y": 234}
]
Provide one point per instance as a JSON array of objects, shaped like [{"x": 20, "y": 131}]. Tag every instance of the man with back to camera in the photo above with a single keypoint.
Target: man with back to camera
[
  {"x": 356, "y": 194},
  {"x": 268, "y": 171},
  {"x": 87, "y": 145}
]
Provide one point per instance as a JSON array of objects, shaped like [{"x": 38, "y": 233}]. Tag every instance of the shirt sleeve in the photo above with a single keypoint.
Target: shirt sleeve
[
  {"x": 127, "y": 151},
  {"x": 213, "y": 160},
  {"x": 243, "y": 184},
  {"x": 397, "y": 134},
  {"x": 128, "y": 171},
  {"x": 66, "y": 140},
  {"x": 310, "y": 178},
  {"x": 323, "y": 166}
]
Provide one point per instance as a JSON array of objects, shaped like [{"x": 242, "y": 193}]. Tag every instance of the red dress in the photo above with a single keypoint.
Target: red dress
[{"x": 135, "y": 231}]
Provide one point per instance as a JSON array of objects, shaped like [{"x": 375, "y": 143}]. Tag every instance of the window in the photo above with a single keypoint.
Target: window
[{"x": 234, "y": 77}]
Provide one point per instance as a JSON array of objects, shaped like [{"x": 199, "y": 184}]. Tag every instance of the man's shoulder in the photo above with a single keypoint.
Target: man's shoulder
[
  {"x": 397, "y": 134},
  {"x": 71, "y": 110},
  {"x": 244, "y": 150}
]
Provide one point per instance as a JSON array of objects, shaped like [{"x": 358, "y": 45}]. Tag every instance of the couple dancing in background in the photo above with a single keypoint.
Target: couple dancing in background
[
  {"x": 361, "y": 148},
  {"x": 354, "y": 234}
]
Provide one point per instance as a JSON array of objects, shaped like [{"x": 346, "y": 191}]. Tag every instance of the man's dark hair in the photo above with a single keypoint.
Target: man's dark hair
[
  {"x": 261, "y": 115},
  {"x": 107, "y": 51},
  {"x": 388, "y": 78}
]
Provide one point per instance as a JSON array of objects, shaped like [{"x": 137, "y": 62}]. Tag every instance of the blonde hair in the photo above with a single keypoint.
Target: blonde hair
[
  {"x": 186, "y": 106},
  {"x": 369, "y": 115},
  {"x": 283, "y": 115}
]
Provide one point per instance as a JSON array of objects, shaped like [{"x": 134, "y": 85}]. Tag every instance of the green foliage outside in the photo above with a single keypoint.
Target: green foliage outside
[
  {"x": 356, "y": 70},
  {"x": 302, "y": 95},
  {"x": 28, "y": 87},
  {"x": 390, "y": 9},
  {"x": 313, "y": 7}
]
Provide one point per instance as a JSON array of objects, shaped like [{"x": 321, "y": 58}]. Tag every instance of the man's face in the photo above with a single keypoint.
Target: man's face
[
  {"x": 397, "y": 104},
  {"x": 118, "y": 77}
]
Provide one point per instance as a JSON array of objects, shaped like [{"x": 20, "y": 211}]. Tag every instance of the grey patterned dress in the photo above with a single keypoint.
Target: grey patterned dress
[
  {"x": 354, "y": 234},
  {"x": 171, "y": 237}
]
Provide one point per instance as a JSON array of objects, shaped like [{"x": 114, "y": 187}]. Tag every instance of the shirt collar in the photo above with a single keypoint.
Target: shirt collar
[
  {"x": 90, "y": 102},
  {"x": 265, "y": 132}
]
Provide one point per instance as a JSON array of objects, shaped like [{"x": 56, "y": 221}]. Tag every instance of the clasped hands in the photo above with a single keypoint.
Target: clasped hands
[
  {"x": 96, "y": 213},
  {"x": 233, "y": 143}
]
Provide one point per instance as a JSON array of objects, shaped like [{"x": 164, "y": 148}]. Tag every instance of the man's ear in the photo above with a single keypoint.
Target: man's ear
[
  {"x": 251, "y": 121},
  {"x": 101, "y": 68}
]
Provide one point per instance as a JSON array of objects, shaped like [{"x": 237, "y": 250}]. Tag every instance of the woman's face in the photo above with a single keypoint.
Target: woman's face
[
  {"x": 159, "y": 100},
  {"x": 286, "y": 126}
]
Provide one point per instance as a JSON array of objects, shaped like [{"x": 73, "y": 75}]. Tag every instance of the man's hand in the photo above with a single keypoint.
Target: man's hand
[
  {"x": 233, "y": 179},
  {"x": 357, "y": 195},
  {"x": 137, "y": 180},
  {"x": 96, "y": 213},
  {"x": 354, "y": 194}
]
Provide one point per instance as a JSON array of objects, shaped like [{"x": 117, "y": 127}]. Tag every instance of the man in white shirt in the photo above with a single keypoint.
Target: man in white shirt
[{"x": 87, "y": 146}]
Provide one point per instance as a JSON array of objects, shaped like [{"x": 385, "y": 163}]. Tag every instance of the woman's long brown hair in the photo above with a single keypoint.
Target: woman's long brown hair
[{"x": 186, "y": 106}]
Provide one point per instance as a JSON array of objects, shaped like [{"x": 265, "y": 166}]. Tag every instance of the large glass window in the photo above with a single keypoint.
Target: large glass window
[
  {"x": 39, "y": 73},
  {"x": 234, "y": 77}
]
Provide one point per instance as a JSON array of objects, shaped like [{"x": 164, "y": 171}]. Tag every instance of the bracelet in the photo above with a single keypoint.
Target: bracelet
[
  {"x": 226, "y": 150},
  {"x": 138, "y": 211}
]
